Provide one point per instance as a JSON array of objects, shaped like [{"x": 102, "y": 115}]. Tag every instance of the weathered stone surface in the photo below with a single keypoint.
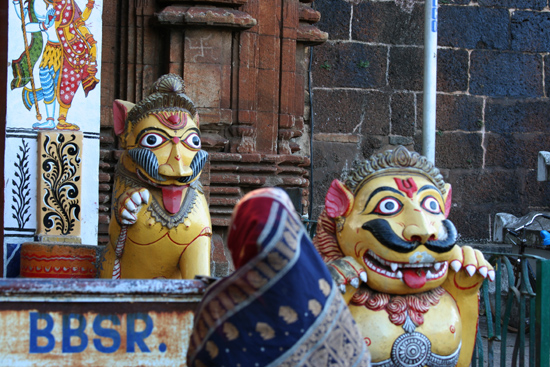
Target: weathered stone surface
[
  {"x": 352, "y": 65},
  {"x": 473, "y": 27},
  {"x": 401, "y": 140},
  {"x": 228, "y": 2},
  {"x": 310, "y": 35},
  {"x": 178, "y": 15},
  {"x": 458, "y": 150},
  {"x": 202, "y": 46},
  {"x": 203, "y": 79},
  {"x": 109, "y": 17},
  {"x": 370, "y": 23},
  {"x": 473, "y": 222},
  {"x": 403, "y": 114},
  {"x": 371, "y": 144},
  {"x": 536, "y": 195},
  {"x": 106, "y": 117},
  {"x": 475, "y": 187},
  {"x": 514, "y": 150},
  {"x": 270, "y": 25},
  {"x": 104, "y": 219},
  {"x": 518, "y": 4},
  {"x": 231, "y": 201},
  {"x": 335, "y": 18},
  {"x": 329, "y": 160},
  {"x": 452, "y": 70},
  {"x": 265, "y": 141},
  {"x": 472, "y": 212},
  {"x": 376, "y": 114},
  {"x": 406, "y": 68},
  {"x": 457, "y": 2},
  {"x": 530, "y": 31},
  {"x": 308, "y": 14},
  {"x": 458, "y": 112},
  {"x": 222, "y": 264},
  {"x": 267, "y": 91},
  {"x": 270, "y": 47},
  {"x": 350, "y": 112},
  {"x": 224, "y": 190},
  {"x": 104, "y": 177},
  {"x": 513, "y": 116},
  {"x": 336, "y": 138},
  {"x": 509, "y": 74},
  {"x": 105, "y": 187}
]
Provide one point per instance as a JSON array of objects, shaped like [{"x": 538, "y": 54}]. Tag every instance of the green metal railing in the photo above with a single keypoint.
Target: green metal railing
[{"x": 518, "y": 310}]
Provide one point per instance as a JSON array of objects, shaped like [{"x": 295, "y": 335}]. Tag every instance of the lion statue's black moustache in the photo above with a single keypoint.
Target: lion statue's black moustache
[
  {"x": 147, "y": 160},
  {"x": 382, "y": 231}
]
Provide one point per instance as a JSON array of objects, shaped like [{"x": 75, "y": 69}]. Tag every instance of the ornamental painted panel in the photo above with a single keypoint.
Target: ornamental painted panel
[
  {"x": 59, "y": 185},
  {"x": 54, "y": 48}
]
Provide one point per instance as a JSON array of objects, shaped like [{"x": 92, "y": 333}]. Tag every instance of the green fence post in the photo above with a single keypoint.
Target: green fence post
[{"x": 543, "y": 313}]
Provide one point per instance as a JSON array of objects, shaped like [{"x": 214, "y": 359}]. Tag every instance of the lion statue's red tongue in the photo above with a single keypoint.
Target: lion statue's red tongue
[
  {"x": 171, "y": 198},
  {"x": 414, "y": 278}
]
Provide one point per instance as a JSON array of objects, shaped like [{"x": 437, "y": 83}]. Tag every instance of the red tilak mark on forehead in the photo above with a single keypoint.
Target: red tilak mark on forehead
[
  {"x": 408, "y": 186},
  {"x": 174, "y": 119}
]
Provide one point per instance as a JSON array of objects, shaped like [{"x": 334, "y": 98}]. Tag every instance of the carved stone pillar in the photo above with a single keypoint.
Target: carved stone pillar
[{"x": 242, "y": 62}]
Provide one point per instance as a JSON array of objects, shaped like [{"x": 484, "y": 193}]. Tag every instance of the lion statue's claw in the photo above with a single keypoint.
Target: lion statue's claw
[
  {"x": 471, "y": 261},
  {"x": 347, "y": 270},
  {"x": 131, "y": 203}
]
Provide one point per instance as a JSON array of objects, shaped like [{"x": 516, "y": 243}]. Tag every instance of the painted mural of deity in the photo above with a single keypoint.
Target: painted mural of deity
[
  {"x": 52, "y": 123},
  {"x": 56, "y": 37}
]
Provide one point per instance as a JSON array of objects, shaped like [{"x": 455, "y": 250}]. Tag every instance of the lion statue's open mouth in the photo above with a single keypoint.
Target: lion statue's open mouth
[{"x": 414, "y": 275}]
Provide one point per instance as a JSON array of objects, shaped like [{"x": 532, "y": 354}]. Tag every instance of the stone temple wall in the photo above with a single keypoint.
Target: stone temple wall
[
  {"x": 492, "y": 101},
  {"x": 492, "y": 98}
]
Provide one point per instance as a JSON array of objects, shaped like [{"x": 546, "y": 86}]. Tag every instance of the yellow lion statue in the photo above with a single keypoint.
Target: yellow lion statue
[
  {"x": 385, "y": 236},
  {"x": 160, "y": 224}
]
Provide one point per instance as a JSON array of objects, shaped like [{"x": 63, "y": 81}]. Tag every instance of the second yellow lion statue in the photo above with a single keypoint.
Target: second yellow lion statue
[
  {"x": 389, "y": 245},
  {"x": 160, "y": 225}
]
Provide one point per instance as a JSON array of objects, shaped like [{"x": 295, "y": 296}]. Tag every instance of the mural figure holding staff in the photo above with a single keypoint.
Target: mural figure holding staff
[{"x": 67, "y": 60}]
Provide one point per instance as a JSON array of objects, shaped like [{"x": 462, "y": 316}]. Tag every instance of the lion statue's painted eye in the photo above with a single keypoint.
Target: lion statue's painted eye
[
  {"x": 388, "y": 206},
  {"x": 152, "y": 140},
  {"x": 431, "y": 205},
  {"x": 193, "y": 141}
]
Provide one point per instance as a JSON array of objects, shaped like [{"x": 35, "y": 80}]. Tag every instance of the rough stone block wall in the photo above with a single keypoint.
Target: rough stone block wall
[{"x": 492, "y": 98}]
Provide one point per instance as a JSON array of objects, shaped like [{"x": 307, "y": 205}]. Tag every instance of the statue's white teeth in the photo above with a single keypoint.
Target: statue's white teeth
[{"x": 433, "y": 270}]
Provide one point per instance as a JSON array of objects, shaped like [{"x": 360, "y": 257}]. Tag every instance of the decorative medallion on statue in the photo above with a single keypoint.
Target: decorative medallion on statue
[
  {"x": 389, "y": 245},
  {"x": 160, "y": 224}
]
